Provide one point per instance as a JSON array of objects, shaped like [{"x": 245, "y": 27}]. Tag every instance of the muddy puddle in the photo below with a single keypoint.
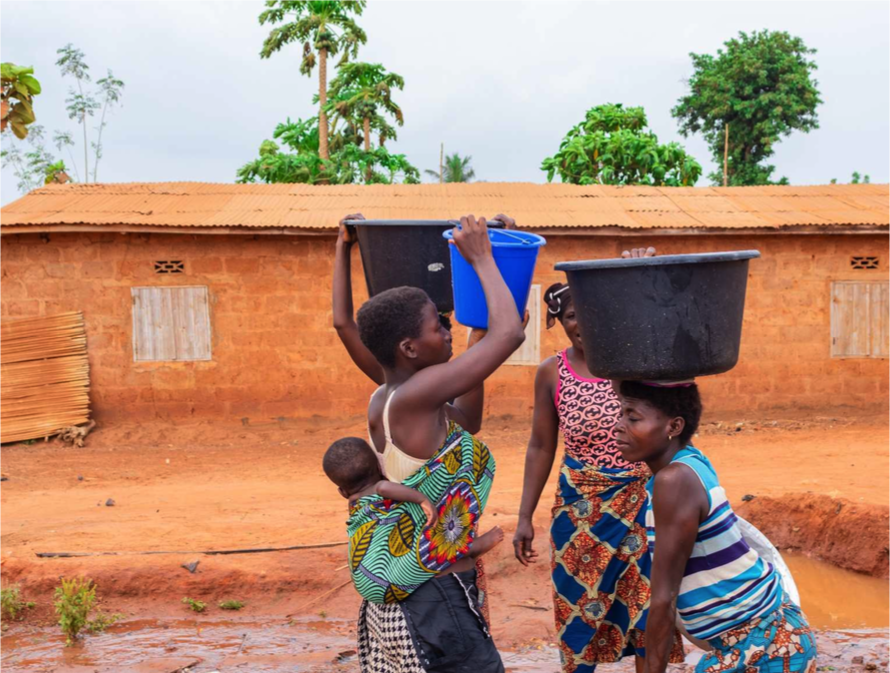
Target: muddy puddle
[
  {"x": 150, "y": 646},
  {"x": 147, "y": 646},
  {"x": 839, "y": 599},
  {"x": 853, "y": 607}
]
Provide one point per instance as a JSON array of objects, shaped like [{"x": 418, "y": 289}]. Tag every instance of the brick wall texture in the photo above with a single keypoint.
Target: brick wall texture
[{"x": 275, "y": 353}]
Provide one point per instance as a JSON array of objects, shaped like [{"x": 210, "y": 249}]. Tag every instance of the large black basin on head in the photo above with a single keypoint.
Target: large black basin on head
[
  {"x": 408, "y": 252},
  {"x": 660, "y": 318}
]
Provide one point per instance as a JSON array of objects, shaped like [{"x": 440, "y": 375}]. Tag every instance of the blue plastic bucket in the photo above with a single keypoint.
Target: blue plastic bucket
[{"x": 515, "y": 254}]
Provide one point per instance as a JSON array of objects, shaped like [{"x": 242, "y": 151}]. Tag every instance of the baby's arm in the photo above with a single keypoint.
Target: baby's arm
[{"x": 401, "y": 493}]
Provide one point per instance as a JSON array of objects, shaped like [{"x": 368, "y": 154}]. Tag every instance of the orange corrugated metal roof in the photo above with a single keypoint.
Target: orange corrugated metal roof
[{"x": 205, "y": 205}]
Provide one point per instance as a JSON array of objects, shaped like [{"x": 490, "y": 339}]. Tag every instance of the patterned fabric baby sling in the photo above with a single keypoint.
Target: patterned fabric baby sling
[{"x": 390, "y": 552}]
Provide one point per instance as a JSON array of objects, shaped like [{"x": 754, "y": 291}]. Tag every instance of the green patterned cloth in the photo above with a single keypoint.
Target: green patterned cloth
[{"x": 390, "y": 552}]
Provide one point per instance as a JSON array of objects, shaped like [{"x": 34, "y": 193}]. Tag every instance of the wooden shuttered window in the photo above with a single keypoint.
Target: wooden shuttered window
[
  {"x": 859, "y": 319},
  {"x": 171, "y": 324},
  {"x": 529, "y": 353}
]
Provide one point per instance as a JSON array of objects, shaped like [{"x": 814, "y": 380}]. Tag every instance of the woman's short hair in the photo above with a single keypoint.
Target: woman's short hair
[{"x": 388, "y": 318}]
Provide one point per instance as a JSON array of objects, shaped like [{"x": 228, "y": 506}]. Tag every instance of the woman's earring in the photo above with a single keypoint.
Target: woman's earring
[{"x": 670, "y": 437}]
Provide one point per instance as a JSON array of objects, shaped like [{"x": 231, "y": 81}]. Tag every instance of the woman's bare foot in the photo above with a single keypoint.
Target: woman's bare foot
[{"x": 485, "y": 543}]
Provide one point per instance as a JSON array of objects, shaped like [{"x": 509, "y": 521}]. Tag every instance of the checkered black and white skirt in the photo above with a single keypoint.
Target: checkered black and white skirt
[
  {"x": 384, "y": 640},
  {"x": 437, "y": 628}
]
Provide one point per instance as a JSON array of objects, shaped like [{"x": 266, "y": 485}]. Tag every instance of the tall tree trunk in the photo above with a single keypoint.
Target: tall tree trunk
[
  {"x": 322, "y": 102},
  {"x": 86, "y": 164},
  {"x": 99, "y": 140},
  {"x": 726, "y": 157},
  {"x": 367, "y": 130},
  {"x": 83, "y": 120}
]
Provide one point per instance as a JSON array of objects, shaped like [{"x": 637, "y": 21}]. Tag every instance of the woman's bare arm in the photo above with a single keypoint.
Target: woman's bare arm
[
  {"x": 678, "y": 501},
  {"x": 432, "y": 387},
  {"x": 402, "y": 493},
  {"x": 344, "y": 320},
  {"x": 538, "y": 459},
  {"x": 468, "y": 407}
]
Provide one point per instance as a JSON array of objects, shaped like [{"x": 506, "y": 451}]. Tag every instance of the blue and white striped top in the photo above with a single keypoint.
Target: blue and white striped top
[{"x": 726, "y": 583}]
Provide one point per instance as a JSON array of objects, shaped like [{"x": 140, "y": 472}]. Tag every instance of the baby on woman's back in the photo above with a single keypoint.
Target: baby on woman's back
[{"x": 353, "y": 466}]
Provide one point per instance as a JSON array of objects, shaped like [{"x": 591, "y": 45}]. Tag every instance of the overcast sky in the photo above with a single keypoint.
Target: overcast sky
[{"x": 501, "y": 81}]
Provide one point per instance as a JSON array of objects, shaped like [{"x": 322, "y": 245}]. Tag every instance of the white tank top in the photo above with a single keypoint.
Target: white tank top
[{"x": 397, "y": 465}]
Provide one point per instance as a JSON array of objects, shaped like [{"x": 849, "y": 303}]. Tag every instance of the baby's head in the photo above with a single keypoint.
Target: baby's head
[{"x": 352, "y": 465}]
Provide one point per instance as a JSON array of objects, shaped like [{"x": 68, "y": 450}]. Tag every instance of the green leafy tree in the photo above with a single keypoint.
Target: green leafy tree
[
  {"x": 363, "y": 92},
  {"x": 80, "y": 103},
  {"x": 110, "y": 90},
  {"x": 345, "y": 129},
  {"x": 375, "y": 166},
  {"x": 63, "y": 140},
  {"x": 83, "y": 103},
  {"x": 384, "y": 130},
  {"x": 349, "y": 163},
  {"x": 857, "y": 179},
  {"x": 865, "y": 180},
  {"x": 18, "y": 90},
  {"x": 746, "y": 98},
  {"x": 324, "y": 27},
  {"x": 32, "y": 164},
  {"x": 455, "y": 168},
  {"x": 301, "y": 165},
  {"x": 612, "y": 146}
]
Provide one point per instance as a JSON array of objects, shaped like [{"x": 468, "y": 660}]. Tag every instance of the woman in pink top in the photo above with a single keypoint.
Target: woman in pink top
[{"x": 600, "y": 565}]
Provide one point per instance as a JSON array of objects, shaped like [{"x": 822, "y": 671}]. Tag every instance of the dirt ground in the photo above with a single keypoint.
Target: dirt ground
[{"x": 215, "y": 486}]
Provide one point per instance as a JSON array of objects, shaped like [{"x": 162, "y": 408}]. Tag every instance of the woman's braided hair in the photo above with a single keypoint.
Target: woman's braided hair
[{"x": 557, "y": 297}]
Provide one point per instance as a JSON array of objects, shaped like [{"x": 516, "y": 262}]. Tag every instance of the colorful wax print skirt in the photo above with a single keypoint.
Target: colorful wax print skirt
[
  {"x": 600, "y": 565},
  {"x": 781, "y": 642}
]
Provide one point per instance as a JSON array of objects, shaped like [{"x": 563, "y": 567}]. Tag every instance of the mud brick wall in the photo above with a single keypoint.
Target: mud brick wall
[{"x": 275, "y": 353}]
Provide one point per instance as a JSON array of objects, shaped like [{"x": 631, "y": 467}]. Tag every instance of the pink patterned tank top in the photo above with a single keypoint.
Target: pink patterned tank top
[{"x": 588, "y": 410}]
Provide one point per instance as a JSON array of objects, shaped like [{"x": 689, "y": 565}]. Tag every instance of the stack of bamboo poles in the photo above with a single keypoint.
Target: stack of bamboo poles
[{"x": 44, "y": 376}]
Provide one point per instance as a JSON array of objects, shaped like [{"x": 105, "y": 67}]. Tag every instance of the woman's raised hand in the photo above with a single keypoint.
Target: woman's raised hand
[
  {"x": 347, "y": 233},
  {"x": 636, "y": 253},
  {"x": 472, "y": 239},
  {"x": 508, "y": 222}
]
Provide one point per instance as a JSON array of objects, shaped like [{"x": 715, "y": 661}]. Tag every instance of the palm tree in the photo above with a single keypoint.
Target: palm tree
[
  {"x": 455, "y": 169},
  {"x": 323, "y": 25},
  {"x": 344, "y": 128},
  {"x": 363, "y": 92}
]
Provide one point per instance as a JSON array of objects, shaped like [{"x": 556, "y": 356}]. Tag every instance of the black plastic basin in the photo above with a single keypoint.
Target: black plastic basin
[
  {"x": 660, "y": 318},
  {"x": 407, "y": 252}
]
